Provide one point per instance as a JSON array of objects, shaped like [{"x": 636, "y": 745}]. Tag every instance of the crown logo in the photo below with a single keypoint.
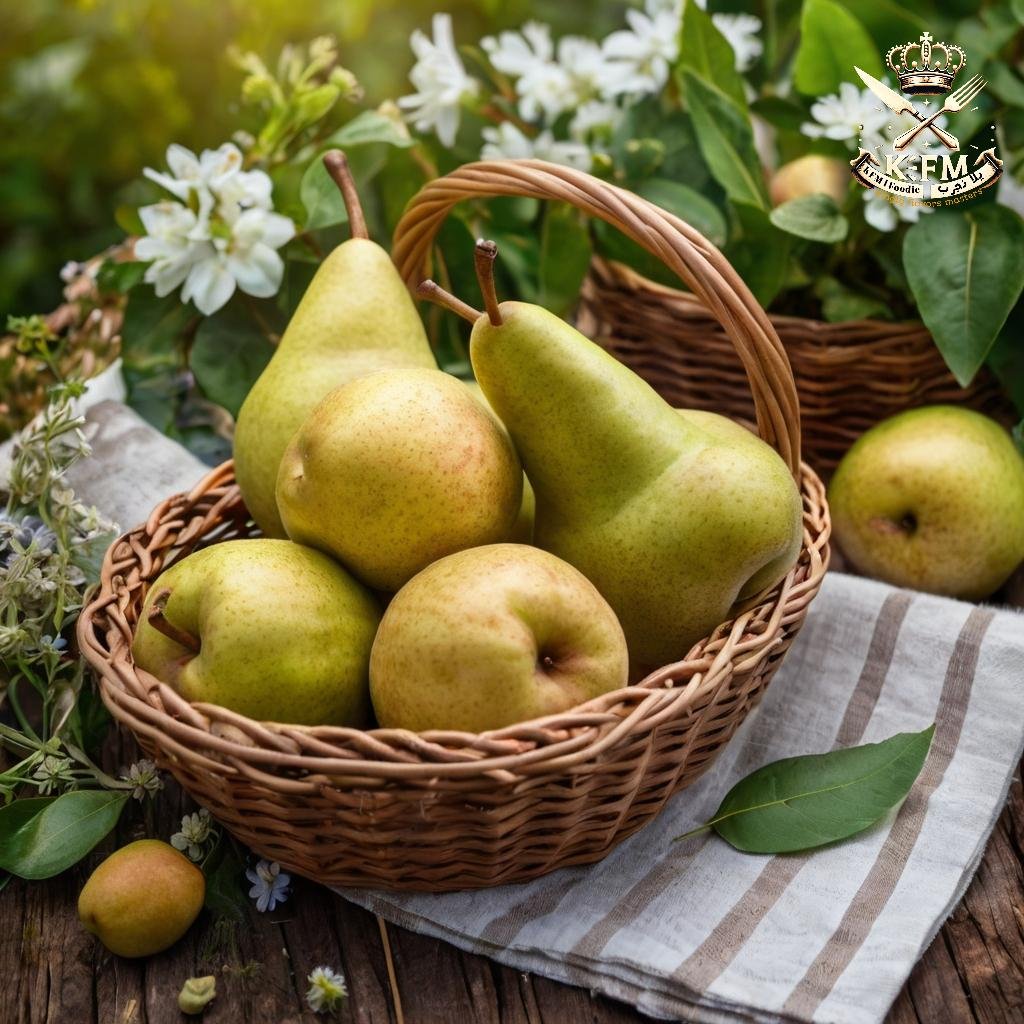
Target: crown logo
[{"x": 926, "y": 74}]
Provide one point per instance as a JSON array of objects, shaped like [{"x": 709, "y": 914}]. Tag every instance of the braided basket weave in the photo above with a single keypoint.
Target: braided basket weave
[
  {"x": 441, "y": 811},
  {"x": 849, "y": 375}
]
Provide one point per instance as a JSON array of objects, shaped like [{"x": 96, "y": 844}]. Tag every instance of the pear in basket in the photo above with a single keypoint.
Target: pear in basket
[
  {"x": 673, "y": 518},
  {"x": 397, "y": 469},
  {"x": 355, "y": 317},
  {"x": 270, "y": 629}
]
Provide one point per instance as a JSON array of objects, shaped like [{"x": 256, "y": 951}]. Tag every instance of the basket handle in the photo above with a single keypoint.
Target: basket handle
[{"x": 685, "y": 251}]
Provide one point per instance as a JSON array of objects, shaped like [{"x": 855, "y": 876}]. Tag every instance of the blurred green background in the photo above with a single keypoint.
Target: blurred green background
[{"x": 92, "y": 91}]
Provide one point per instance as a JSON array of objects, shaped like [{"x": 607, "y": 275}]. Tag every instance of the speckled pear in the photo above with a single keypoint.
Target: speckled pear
[
  {"x": 397, "y": 469},
  {"x": 674, "y": 518},
  {"x": 270, "y": 629},
  {"x": 355, "y": 317}
]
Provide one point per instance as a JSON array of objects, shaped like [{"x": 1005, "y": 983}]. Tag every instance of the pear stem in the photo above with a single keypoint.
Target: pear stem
[
  {"x": 433, "y": 292},
  {"x": 483, "y": 260},
  {"x": 169, "y": 630},
  {"x": 337, "y": 167}
]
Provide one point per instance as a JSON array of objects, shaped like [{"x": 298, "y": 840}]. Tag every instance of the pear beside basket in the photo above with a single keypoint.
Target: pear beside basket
[{"x": 442, "y": 811}]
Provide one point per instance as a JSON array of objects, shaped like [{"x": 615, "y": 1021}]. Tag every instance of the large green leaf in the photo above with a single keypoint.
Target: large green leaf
[
  {"x": 803, "y": 802},
  {"x": 815, "y": 217},
  {"x": 685, "y": 202},
  {"x": 369, "y": 126},
  {"x": 564, "y": 258},
  {"x": 832, "y": 41},
  {"x": 230, "y": 351},
  {"x": 966, "y": 272},
  {"x": 726, "y": 141},
  {"x": 708, "y": 54},
  {"x": 49, "y": 836}
]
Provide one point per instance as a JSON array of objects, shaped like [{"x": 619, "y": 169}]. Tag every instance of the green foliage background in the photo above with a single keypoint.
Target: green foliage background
[{"x": 92, "y": 91}]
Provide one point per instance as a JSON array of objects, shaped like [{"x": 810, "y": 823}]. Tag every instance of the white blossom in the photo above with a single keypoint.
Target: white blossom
[
  {"x": 594, "y": 116},
  {"x": 638, "y": 58},
  {"x": 549, "y": 80},
  {"x": 848, "y": 114},
  {"x": 885, "y": 215},
  {"x": 226, "y": 236},
  {"x": 507, "y": 142},
  {"x": 742, "y": 33},
  {"x": 169, "y": 243},
  {"x": 247, "y": 260},
  {"x": 326, "y": 989},
  {"x": 144, "y": 777},
  {"x": 440, "y": 80},
  {"x": 196, "y": 831}
]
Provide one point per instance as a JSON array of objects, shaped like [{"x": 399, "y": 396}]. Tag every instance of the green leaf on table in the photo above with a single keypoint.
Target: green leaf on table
[
  {"x": 832, "y": 42},
  {"x": 698, "y": 211},
  {"x": 726, "y": 140},
  {"x": 230, "y": 350},
  {"x": 966, "y": 272},
  {"x": 564, "y": 259},
  {"x": 815, "y": 217},
  {"x": 52, "y": 834},
  {"x": 800, "y": 803},
  {"x": 707, "y": 53}
]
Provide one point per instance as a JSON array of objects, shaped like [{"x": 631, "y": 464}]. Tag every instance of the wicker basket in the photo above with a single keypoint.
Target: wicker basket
[
  {"x": 441, "y": 811},
  {"x": 849, "y": 375}
]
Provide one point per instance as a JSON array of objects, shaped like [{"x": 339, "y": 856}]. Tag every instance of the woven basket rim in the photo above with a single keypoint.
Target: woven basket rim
[
  {"x": 568, "y": 738},
  {"x": 638, "y": 280}
]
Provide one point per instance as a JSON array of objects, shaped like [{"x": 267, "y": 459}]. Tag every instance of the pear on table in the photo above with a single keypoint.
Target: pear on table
[
  {"x": 355, "y": 317},
  {"x": 674, "y": 518}
]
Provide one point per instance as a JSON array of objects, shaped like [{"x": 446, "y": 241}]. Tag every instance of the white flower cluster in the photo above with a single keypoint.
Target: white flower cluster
[
  {"x": 219, "y": 234},
  {"x": 858, "y": 118},
  {"x": 588, "y": 82}
]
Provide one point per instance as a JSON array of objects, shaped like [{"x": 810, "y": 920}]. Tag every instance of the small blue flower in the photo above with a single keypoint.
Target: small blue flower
[{"x": 269, "y": 885}]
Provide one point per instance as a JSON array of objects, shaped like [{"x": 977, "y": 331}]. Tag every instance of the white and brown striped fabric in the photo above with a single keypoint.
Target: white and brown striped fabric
[{"x": 699, "y": 932}]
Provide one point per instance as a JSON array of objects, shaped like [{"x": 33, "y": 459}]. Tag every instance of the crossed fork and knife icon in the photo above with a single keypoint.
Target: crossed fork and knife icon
[{"x": 955, "y": 102}]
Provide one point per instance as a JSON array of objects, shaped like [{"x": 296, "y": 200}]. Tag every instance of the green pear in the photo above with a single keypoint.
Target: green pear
[
  {"x": 397, "y": 469},
  {"x": 356, "y": 317},
  {"x": 932, "y": 499},
  {"x": 674, "y": 518},
  {"x": 522, "y": 530},
  {"x": 491, "y": 636},
  {"x": 270, "y": 629},
  {"x": 142, "y": 898}
]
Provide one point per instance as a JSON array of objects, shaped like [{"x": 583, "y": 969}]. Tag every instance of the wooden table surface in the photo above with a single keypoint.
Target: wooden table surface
[{"x": 52, "y": 972}]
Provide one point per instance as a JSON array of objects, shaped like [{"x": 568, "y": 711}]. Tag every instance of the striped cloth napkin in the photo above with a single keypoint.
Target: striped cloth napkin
[{"x": 699, "y": 932}]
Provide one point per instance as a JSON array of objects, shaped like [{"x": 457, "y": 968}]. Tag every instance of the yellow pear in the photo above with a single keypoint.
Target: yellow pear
[
  {"x": 491, "y": 636},
  {"x": 267, "y": 628},
  {"x": 356, "y": 317},
  {"x": 395, "y": 470},
  {"x": 142, "y": 898}
]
